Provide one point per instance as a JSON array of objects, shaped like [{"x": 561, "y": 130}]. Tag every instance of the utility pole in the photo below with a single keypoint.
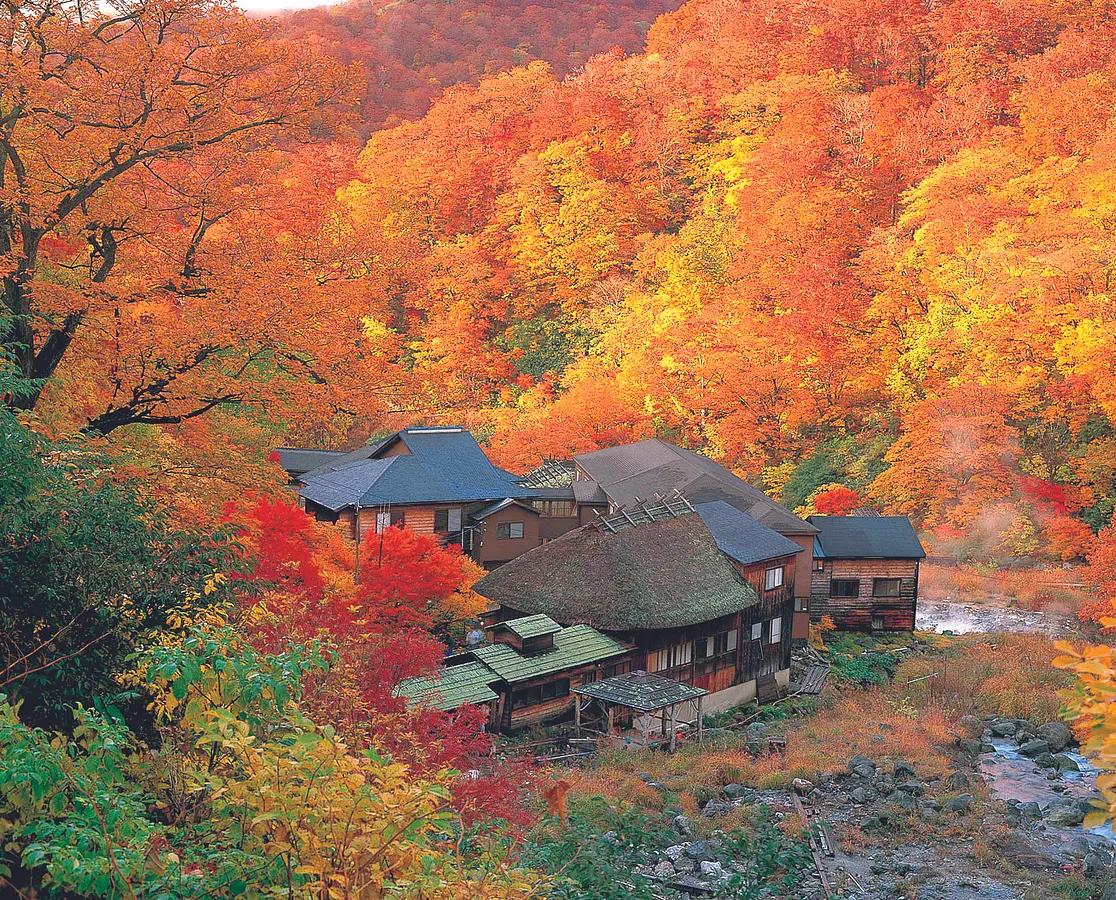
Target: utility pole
[{"x": 356, "y": 559}]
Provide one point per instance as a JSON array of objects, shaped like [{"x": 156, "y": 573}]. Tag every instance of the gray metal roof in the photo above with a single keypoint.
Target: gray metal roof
[
  {"x": 643, "y": 691},
  {"x": 502, "y": 504},
  {"x": 634, "y": 472},
  {"x": 742, "y": 538},
  {"x": 443, "y": 465},
  {"x": 299, "y": 460},
  {"x": 588, "y": 492},
  {"x": 866, "y": 537}
]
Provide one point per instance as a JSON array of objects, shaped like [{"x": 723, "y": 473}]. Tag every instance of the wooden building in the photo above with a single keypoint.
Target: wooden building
[
  {"x": 525, "y": 674},
  {"x": 865, "y": 572},
  {"x": 701, "y": 595}
]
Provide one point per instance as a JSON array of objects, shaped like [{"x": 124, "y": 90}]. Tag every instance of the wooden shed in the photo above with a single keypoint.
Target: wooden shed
[{"x": 865, "y": 572}]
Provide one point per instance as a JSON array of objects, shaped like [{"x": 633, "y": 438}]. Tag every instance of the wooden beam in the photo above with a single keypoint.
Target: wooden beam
[
  {"x": 701, "y": 725},
  {"x": 577, "y": 716},
  {"x": 673, "y": 728}
]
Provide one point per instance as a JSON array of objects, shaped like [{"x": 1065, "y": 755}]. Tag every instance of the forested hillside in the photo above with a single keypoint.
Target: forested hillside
[
  {"x": 406, "y": 52},
  {"x": 844, "y": 242}
]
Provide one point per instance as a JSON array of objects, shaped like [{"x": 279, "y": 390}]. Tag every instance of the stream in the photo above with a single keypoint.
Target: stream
[{"x": 1012, "y": 776}]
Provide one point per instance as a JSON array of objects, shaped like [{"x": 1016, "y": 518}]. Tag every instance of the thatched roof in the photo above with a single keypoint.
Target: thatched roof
[{"x": 663, "y": 574}]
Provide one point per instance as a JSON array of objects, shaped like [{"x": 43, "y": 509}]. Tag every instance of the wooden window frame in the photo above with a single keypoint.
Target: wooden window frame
[
  {"x": 877, "y": 582},
  {"x": 833, "y": 582},
  {"x": 779, "y": 573},
  {"x": 504, "y": 531}
]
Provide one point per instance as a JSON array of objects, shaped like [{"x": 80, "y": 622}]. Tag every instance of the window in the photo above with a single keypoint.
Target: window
[
  {"x": 819, "y": 564},
  {"x": 885, "y": 587},
  {"x": 718, "y": 644},
  {"x": 555, "y": 507},
  {"x": 447, "y": 520},
  {"x": 877, "y": 623},
  {"x": 670, "y": 657},
  {"x": 776, "y": 630},
  {"x": 844, "y": 587},
  {"x": 757, "y": 631},
  {"x": 383, "y": 522},
  {"x": 531, "y": 696},
  {"x": 509, "y": 531},
  {"x": 800, "y": 604},
  {"x": 773, "y": 578}
]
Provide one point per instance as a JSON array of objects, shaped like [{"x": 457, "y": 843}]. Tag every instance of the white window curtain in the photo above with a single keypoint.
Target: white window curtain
[{"x": 776, "y": 629}]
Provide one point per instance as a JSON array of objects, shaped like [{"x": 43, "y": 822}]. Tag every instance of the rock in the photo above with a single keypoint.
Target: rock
[
  {"x": 682, "y": 865},
  {"x": 663, "y": 870},
  {"x": 801, "y": 786},
  {"x": 1046, "y": 761},
  {"x": 1066, "y": 763},
  {"x": 715, "y": 808},
  {"x": 1029, "y": 810},
  {"x": 928, "y": 814},
  {"x": 902, "y": 769},
  {"x": 735, "y": 791},
  {"x": 933, "y": 804},
  {"x": 861, "y": 765},
  {"x": 957, "y": 781},
  {"x": 1066, "y": 813},
  {"x": 970, "y": 722},
  {"x": 970, "y": 745},
  {"x": 712, "y": 870},
  {"x": 1004, "y": 729},
  {"x": 697, "y": 851},
  {"x": 1109, "y": 893},
  {"x": 1057, "y": 735},
  {"x": 673, "y": 853},
  {"x": 914, "y": 788},
  {"x": 682, "y": 826},
  {"x": 859, "y": 796},
  {"x": 1095, "y": 864},
  {"x": 960, "y": 803},
  {"x": 1034, "y": 748},
  {"x": 646, "y": 776},
  {"x": 657, "y": 786},
  {"x": 609, "y": 837}
]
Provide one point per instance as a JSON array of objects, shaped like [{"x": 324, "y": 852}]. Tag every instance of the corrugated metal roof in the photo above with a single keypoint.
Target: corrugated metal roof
[
  {"x": 532, "y": 626},
  {"x": 444, "y": 465},
  {"x": 643, "y": 691},
  {"x": 634, "y": 472},
  {"x": 573, "y": 647},
  {"x": 451, "y": 687},
  {"x": 866, "y": 537},
  {"x": 742, "y": 538}
]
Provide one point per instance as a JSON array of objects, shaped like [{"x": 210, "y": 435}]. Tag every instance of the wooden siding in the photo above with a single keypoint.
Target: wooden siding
[
  {"x": 488, "y": 549},
  {"x": 857, "y": 613},
  {"x": 505, "y": 718}
]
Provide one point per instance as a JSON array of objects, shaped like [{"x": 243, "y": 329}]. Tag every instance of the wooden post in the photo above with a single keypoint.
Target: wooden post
[
  {"x": 701, "y": 725},
  {"x": 643, "y": 727},
  {"x": 577, "y": 716},
  {"x": 673, "y": 728},
  {"x": 611, "y": 709}
]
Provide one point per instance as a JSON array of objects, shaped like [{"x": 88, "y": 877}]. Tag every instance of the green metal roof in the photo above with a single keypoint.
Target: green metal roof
[
  {"x": 532, "y": 626},
  {"x": 643, "y": 691},
  {"x": 452, "y": 687},
  {"x": 573, "y": 647}
]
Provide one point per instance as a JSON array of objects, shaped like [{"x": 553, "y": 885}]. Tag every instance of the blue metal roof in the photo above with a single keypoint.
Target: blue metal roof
[
  {"x": 444, "y": 465},
  {"x": 742, "y": 538},
  {"x": 865, "y": 537}
]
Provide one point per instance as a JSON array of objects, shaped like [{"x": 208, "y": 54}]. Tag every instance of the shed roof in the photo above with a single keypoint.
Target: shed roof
[
  {"x": 667, "y": 573},
  {"x": 451, "y": 687},
  {"x": 573, "y": 647},
  {"x": 502, "y": 504},
  {"x": 633, "y": 472},
  {"x": 741, "y": 537},
  {"x": 532, "y": 626},
  {"x": 643, "y": 691},
  {"x": 442, "y": 465},
  {"x": 866, "y": 537}
]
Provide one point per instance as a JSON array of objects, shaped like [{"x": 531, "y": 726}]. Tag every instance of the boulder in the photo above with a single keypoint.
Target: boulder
[
  {"x": 712, "y": 869},
  {"x": 801, "y": 786},
  {"x": 1029, "y": 810},
  {"x": 1003, "y": 729},
  {"x": 735, "y": 791},
  {"x": 902, "y": 769},
  {"x": 914, "y": 788},
  {"x": 862, "y": 766},
  {"x": 682, "y": 826},
  {"x": 657, "y": 786},
  {"x": 931, "y": 803},
  {"x": 697, "y": 851},
  {"x": 1046, "y": 761},
  {"x": 970, "y": 745},
  {"x": 1034, "y": 748},
  {"x": 1064, "y": 812},
  {"x": 859, "y": 795},
  {"x": 960, "y": 804},
  {"x": 1057, "y": 735},
  {"x": 663, "y": 870},
  {"x": 674, "y": 852},
  {"x": 970, "y": 722},
  {"x": 957, "y": 781},
  {"x": 1066, "y": 763}
]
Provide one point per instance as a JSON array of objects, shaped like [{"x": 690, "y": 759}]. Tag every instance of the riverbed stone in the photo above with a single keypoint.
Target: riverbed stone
[
  {"x": 697, "y": 851},
  {"x": 1066, "y": 763},
  {"x": 1046, "y": 761},
  {"x": 682, "y": 826},
  {"x": 859, "y": 795},
  {"x": 1065, "y": 812},
  {"x": 912, "y": 787},
  {"x": 957, "y": 781},
  {"x": 735, "y": 791},
  {"x": 715, "y": 808},
  {"x": 861, "y": 765},
  {"x": 1003, "y": 729},
  {"x": 1056, "y": 734},
  {"x": 712, "y": 869},
  {"x": 902, "y": 769},
  {"x": 1034, "y": 748}
]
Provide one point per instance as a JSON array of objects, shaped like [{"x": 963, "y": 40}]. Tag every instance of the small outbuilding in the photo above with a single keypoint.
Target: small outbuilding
[
  {"x": 865, "y": 572},
  {"x": 639, "y": 696}
]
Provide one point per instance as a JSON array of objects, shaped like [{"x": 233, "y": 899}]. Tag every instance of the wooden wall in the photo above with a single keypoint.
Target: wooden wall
[
  {"x": 488, "y": 549},
  {"x": 857, "y": 613}
]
